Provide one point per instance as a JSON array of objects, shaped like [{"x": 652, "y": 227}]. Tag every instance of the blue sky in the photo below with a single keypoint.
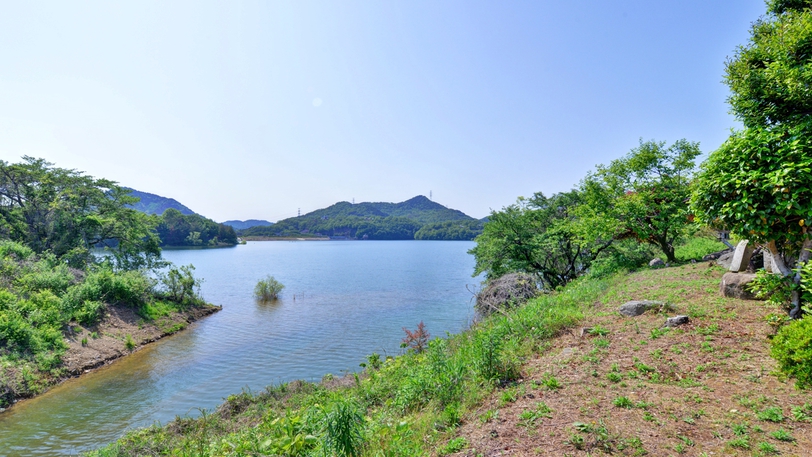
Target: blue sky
[{"x": 255, "y": 109}]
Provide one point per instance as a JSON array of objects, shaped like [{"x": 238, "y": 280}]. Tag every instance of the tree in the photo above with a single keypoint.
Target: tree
[
  {"x": 758, "y": 183},
  {"x": 539, "y": 236},
  {"x": 642, "y": 196},
  {"x": 67, "y": 213}
]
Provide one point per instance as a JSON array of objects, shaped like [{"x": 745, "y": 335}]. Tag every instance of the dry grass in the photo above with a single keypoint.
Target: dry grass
[{"x": 638, "y": 390}]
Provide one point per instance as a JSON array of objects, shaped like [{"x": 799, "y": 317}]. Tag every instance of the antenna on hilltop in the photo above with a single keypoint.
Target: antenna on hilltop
[
  {"x": 429, "y": 195},
  {"x": 353, "y": 201},
  {"x": 300, "y": 213}
]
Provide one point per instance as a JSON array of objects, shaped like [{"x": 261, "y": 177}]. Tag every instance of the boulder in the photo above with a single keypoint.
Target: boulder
[
  {"x": 717, "y": 254},
  {"x": 675, "y": 321},
  {"x": 741, "y": 256},
  {"x": 725, "y": 259},
  {"x": 656, "y": 263},
  {"x": 734, "y": 285},
  {"x": 638, "y": 307}
]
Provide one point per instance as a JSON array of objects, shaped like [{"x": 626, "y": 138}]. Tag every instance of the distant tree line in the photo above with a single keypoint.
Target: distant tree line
[{"x": 178, "y": 229}]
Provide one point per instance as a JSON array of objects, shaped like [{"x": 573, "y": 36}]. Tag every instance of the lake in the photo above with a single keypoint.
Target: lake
[{"x": 342, "y": 301}]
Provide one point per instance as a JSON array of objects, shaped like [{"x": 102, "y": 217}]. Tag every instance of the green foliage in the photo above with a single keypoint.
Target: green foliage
[
  {"x": 642, "y": 196},
  {"x": 129, "y": 343},
  {"x": 181, "y": 286},
  {"x": 537, "y": 236},
  {"x": 178, "y": 229},
  {"x": 344, "y": 429},
  {"x": 792, "y": 348},
  {"x": 268, "y": 289},
  {"x": 67, "y": 213}
]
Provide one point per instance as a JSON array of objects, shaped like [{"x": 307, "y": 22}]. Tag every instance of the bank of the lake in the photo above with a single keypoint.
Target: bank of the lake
[
  {"x": 119, "y": 333},
  {"x": 530, "y": 382},
  {"x": 343, "y": 300}
]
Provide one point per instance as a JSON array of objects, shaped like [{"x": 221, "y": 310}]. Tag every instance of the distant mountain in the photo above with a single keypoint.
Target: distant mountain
[
  {"x": 155, "y": 204},
  {"x": 417, "y": 218},
  {"x": 242, "y": 225}
]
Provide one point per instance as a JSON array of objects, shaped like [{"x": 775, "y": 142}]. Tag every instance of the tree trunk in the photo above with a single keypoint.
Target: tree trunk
[{"x": 806, "y": 251}]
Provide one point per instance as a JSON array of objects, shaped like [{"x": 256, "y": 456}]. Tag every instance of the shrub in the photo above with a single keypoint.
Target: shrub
[
  {"x": 268, "y": 289},
  {"x": 180, "y": 284},
  {"x": 792, "y": 348},
  {"x": 416, "y": 340},
  {"x": 505, "y": 292}
]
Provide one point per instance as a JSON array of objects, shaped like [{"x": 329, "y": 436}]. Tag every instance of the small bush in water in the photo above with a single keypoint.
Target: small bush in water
[{"x": 268, "y": 289}]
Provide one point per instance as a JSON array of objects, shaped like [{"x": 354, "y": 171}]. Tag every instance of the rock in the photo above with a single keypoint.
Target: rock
[
  {"x": 656, "y": 263},
  {"x": 725, "y": 259},
  {"x": 638, "y": 307},
  {"x": 741, "y": 257},
  {"x": 734, "y": 285},
  {"x": 675, "y": 321},
  {"x": 716, "y": 255}
]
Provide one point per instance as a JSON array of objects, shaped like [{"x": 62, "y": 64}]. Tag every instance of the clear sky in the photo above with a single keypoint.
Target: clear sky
[{"x": 255, "y": 109}]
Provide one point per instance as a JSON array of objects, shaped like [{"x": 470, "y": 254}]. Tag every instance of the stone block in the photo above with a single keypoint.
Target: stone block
[
  {"x": 741, "y": 257},
  {"x": 638, "y": 307}
]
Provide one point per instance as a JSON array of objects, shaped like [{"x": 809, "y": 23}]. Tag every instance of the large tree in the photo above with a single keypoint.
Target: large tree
[
  {"x": 759, "y": 182},
  {"x": 643, "y": 195},
  {"x": 539, "y": 236},
  {"x": 67, "y": 213}
]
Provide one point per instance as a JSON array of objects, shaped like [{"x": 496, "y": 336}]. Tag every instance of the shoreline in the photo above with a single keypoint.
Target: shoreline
[{"x": 87, "y": 353}]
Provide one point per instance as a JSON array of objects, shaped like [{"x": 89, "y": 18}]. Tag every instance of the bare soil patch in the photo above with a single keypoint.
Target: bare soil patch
[{"x": 630, "y": 387}]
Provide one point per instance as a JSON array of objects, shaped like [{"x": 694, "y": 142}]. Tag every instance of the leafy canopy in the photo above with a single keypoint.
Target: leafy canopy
[
  {"x": 642, "y": 196},
  {"x": 67, "y": 213}
]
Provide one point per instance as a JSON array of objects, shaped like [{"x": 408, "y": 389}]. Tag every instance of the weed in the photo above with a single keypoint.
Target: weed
[
  {"x": 129, "y": 343},
  {"x": 530, "y": 416},
  {"x": 771, "y": 414},
  {"x": 550, "y": 382},
  {"x": 802, "y": 413},
  {"x": 686, "y": 440},
  {"x": 84, "y": 341},
  {"x": 657, "y": 354},
  {"x": 416, "y": 340},
  {"x": 658, "y": 332},
  {"x": 708, "y": 330},
  {"x": 739, "y": 429},
  {"x": 623, "y": 402},
  {"x": 454, "y": 445},
  {"x": 614, "y": 377},
  {"x": 602, "y": 343},
  {"x": 599, "y": 330},
  {"x": 782, "y": 435},
  {"x": 489, "y": 416},
  {"x": 742, "y": 442},
  {"x": 767, "y": 448}
]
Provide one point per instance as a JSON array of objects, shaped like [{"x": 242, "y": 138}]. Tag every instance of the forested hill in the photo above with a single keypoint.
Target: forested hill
[
  {"x": 241, "y": 225},
  {"x": 179, "y": 225},
  {"x": 155, "y": 204},
  {"x": 416, "y": 218}
]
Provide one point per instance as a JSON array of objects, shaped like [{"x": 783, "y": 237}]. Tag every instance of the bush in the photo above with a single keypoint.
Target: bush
[
  {"x": 505, "y": 292},
  {"x": 268, "y": 289},
  {"x": 792, "y": 348},
  {"x": 180, "y": 285}
]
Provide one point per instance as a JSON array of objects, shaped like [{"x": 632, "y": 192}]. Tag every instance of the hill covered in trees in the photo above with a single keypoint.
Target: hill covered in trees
[
  {"x": 155, "y": 204},
  {"x": 242, "y": 225},
  {"x": 415, "y": 219},
  {"x": 178, "y": 225}
]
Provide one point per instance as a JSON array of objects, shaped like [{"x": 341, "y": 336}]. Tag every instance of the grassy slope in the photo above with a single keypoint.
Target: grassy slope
[{"x": 519, "y": 384}]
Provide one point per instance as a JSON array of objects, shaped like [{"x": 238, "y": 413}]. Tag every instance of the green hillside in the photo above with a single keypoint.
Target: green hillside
[
  {"x": 416, "y": 218},
  {"x": 155, "y": 204}
]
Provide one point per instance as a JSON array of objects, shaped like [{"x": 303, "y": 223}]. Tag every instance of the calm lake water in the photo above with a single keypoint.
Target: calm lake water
[{"x": 352, "y": 298}]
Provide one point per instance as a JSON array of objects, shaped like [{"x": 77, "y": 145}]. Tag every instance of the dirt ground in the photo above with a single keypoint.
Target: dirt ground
[
  {"x": 101, "y": 344},
  {"x": 707, "y": 388}
]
